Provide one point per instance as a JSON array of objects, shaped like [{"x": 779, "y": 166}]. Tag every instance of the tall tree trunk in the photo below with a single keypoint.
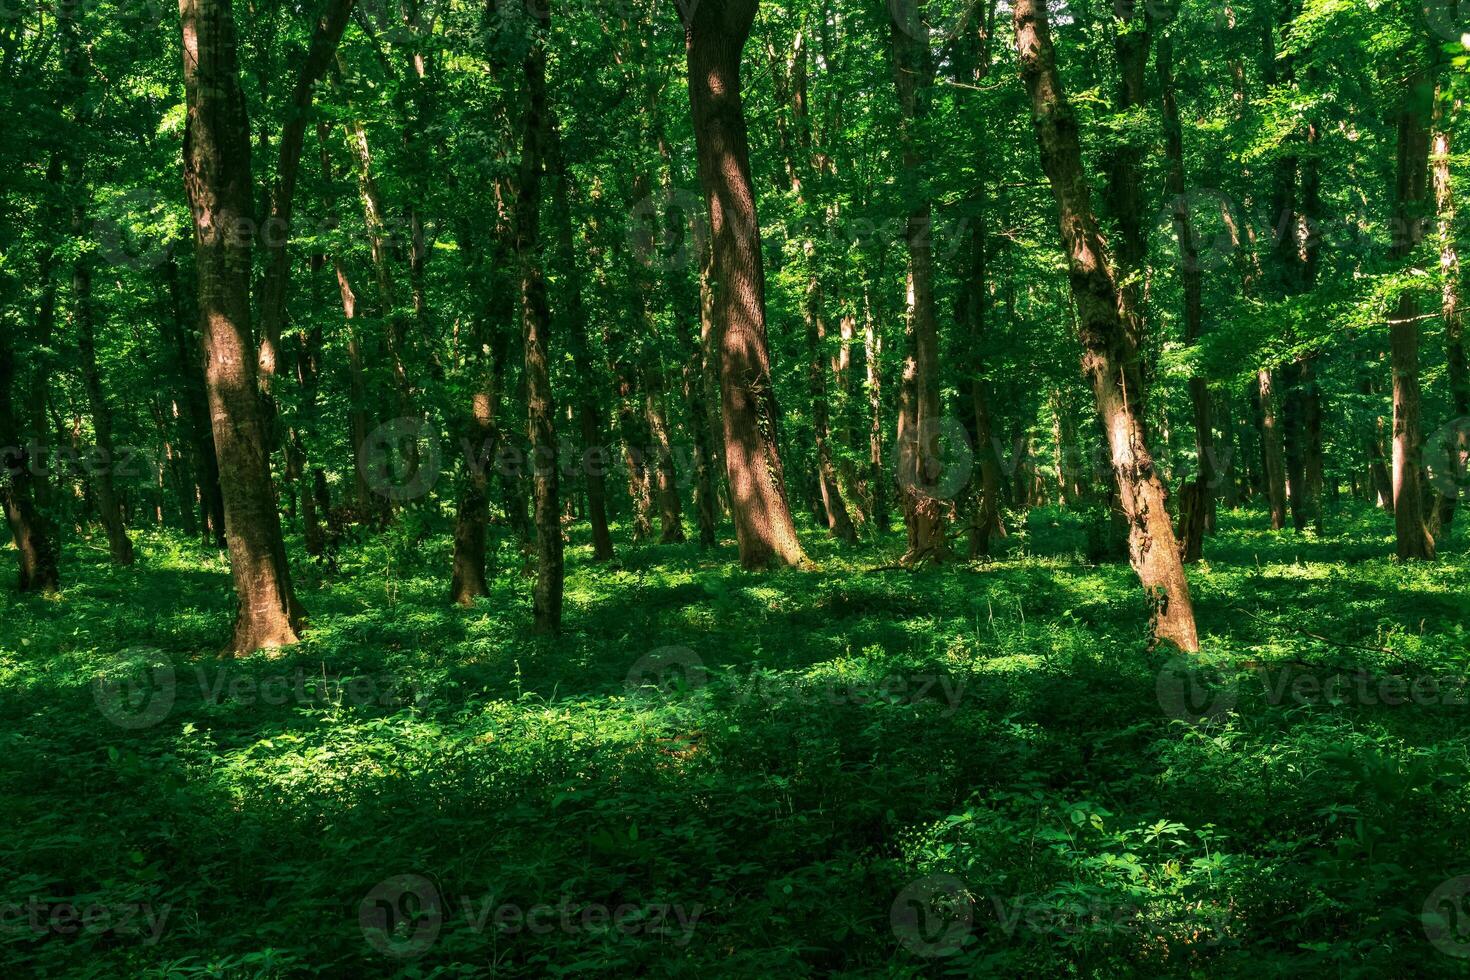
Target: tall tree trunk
[
  {"x": 1123, "y": 192},
  {"x": 108, "y": 505},
  {"x": 588, "y": 410},
  {"x": 217, "y": 177},
  {"x": 1412, "y": 538},
  {"x": 1196, "y": 507},
  {"x": 35, "y": 539},
  {"x": 670, "y": 510},
  {"x": 872, "y": 360},
  {"x": 913, "y": 73},
  {"x": 715, "y": 34},
  {"x": 536, "y": 324},
  {"x": 325, "y": 37},
  {"x": 188, "y": 362},
  {"x": 1109, "y": 354},
  {"x": 834, "y": 511},
  {"x": 1456, "y": 447}
]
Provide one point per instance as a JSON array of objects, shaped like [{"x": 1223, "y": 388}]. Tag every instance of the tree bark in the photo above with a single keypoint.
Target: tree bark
[
  {"x": 1109, "y": 358},
  {"x": 536, "y": 325},
  {"x": 1273, "y": 453},
  {"x": 1456, "y": 448},
  {"x": 913, "y": 73},
  {"x": 1412, "y": 537},
  {"x": 217, "y": 178},
  {"x": 715, "y": 34}
]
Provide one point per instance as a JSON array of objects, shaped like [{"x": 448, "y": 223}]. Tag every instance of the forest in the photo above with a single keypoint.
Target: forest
[{"x": 863, "y": 488}]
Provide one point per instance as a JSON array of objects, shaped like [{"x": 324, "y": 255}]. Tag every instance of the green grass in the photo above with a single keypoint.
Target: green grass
[{"x": 976, "y": 770}]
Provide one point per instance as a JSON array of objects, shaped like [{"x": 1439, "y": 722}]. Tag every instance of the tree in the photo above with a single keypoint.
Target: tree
[
  {"x": 1109, "y": 359},
  {"x": 715, "y": 34},
  {"x": 217, "y": 179}
]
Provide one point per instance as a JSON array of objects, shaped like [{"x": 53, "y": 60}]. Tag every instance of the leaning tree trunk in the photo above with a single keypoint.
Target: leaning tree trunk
[
  {"x": 325, "y": 37},
  {"x": 1110, "y": 358},
  {"x": 536, "y": 324},
  {"x": 1412, "y": 538},
  {"x": 217, "y": 178},
  {"x": 715, "y": 34}
]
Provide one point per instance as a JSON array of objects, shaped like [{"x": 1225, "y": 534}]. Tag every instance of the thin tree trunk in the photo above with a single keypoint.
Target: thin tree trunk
[
  {"x": 1197, "y": 498},
  {"x": 536, "y": 324},
  {"x": 187, "y": 351},
  {"x": 1273, "y": 453},
  {"x": 325, "y": 38},
  {"x": 217, "y": 177},
  {"x": 716, "y": 31},
  {"x": 924, "y": 503},
  {"x": 1110, "y": 357},
  {"x": 118, "y": 543},
  {"x": 1457, "y": 446},
  {"x": 588, "y": 411},
  {"x": 872, "y": 359}
]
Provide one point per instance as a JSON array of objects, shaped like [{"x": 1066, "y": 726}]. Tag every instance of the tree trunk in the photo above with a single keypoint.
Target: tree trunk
[
  {"x": 1203, "y": 495},
  {"x": 834, "y": 511},
  {"x": 589, "y": 412},
  {"x": 217, "y": 177},
  {"x": 715, "y": 33},
  {"x": 670, "y": 510},
  {"x": 536, "y": 324},
  {"x": 103, "y": 487},
  {"x": 187, "y": 351},
  {"x": 872, "y": 360},
  {"x": 1456, "y": 446},
  {"x": 1273, "y": 454},
  {"x": 913, "y": 73},
  {"x": 277, "y": 232},
  {"x": 1110, "y": 356},
  {"x": 1412, "y": 538},
  {"x": 35, "y": 539}
]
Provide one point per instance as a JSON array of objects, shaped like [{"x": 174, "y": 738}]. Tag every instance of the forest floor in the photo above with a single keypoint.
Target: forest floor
[{"x": 980, "y": 769}]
